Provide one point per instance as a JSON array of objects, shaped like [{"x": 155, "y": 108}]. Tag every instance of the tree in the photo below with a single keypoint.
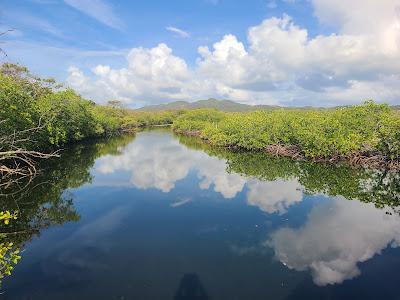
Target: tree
[{"x": 115, "y": 103}]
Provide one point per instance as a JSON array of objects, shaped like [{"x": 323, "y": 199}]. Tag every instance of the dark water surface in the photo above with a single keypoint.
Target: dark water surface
[{"x": 163, "y": 217}]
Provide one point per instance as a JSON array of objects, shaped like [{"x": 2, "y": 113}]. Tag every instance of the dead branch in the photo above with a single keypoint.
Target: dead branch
[{"x": 18, "y": 165}]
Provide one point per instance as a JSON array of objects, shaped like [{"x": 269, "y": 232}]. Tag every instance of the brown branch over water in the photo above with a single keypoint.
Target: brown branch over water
[{"x": 18, "y": 165}]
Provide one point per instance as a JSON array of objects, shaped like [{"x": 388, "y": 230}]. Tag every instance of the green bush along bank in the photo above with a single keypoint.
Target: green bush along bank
[
  {"x": 46, "y": 116},
  {"x": 363, "y": 134}
]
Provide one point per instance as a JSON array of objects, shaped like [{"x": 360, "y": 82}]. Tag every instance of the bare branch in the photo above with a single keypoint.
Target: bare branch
[{"x": 18, "y": 164}]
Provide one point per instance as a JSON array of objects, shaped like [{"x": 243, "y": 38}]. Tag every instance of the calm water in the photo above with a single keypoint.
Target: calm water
[{"x": 161, "y": 217}]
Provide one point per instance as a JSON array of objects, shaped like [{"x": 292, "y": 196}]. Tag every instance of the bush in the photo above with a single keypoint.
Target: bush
[
  {"x": 319, "y": 134},
  {"x": 60, "y": 115}
]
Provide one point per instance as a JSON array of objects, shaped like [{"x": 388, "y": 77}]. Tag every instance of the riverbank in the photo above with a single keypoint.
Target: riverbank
[
  {"x": 366, "y": 136},
  {"x": 38, "y": 117},
  {"x": 361, "y": 160}
]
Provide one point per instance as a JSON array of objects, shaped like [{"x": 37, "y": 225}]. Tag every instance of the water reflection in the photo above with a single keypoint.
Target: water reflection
[
  {"x": 273, "y": 184},
  {"x": 379, "y": 187},
  {"x": 47, "y": 201},
  {"x": 152, "y": 207},
  {"x": 158, "y": 161},
  {"x": 335, "y": 237},
  {"x": 274, "y": 196}
]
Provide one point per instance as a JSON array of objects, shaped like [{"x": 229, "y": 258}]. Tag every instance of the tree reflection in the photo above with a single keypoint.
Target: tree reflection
[
  {"x": 379, "y": 187},
  {"x": 47, "y": 200},
  {"x": 337, "y": 235}
]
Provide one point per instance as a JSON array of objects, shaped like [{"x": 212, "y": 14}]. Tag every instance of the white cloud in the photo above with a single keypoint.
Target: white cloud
[
  {"x": 97, "y": 9},
  {"x": 178, "y": 31},
  {"x": 274, "y": 196},
  {"x": 335, "y": 238},
  {"x": 151, "y": 75},
  {"x": 282, "y": 64},
  {"x": 181, "y": 202},
  {"x": 351, "y": 16}
]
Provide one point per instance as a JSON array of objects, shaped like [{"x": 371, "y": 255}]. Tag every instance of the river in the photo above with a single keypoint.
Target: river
[{"x": 157, "y": 216}]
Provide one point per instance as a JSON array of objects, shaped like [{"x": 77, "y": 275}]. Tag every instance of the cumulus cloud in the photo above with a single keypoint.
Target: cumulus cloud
[
  {"x": 352, "y": 16},
  {"x": 151, "y": 74},
  {"x": 281, "y": 64},
  {"x": 335, "y": 238}
]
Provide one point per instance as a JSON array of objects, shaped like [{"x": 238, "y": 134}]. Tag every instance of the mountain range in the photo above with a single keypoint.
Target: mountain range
[{"x": 222, "y": 105}]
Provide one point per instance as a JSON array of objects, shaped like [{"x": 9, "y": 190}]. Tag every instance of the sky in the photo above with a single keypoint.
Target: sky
[{"x": 278, "y": 52}]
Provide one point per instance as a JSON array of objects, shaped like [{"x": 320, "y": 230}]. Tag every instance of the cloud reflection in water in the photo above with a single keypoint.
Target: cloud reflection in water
[
  {"x": 336, "y": 236},
  {"x": 158, "y": 161}
]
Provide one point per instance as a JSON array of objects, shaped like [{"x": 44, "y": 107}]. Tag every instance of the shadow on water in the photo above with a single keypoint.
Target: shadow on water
[{"x": 191, "y": 288}]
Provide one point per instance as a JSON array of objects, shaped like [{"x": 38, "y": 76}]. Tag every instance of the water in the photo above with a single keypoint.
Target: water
[{"x": 163, "y": 217}]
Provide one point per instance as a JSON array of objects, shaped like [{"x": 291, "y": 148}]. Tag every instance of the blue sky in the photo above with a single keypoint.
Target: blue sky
[
  {"x": 69, "y": 39},
  {"x": 131, "y": 24}
]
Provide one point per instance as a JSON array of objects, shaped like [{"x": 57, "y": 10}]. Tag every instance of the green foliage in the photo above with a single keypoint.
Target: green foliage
[
  {"x": 6, "y": 216},
  {"x": 389, "y": 135},
  {"x": 319, "y": 134},
  {"x": 9, "y": 254},
  {"x": 28, "y": 102},
  {"x": 197, "y": 120},
  {"x": 67, "y": 116},
  {"x": 61, "y": 116},
  {"x": 9, "y": 257}
]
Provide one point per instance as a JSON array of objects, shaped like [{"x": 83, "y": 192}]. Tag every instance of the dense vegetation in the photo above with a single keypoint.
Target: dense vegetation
[
  {"x": 366, "y": 134},
  {"x": 221, "y": 105},
  {"x": 38, "y": 116},
  {"x": 60, "y": 115}
]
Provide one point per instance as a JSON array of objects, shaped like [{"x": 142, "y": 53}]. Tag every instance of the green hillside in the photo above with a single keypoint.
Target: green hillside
[{"x": 223, "y": 105}]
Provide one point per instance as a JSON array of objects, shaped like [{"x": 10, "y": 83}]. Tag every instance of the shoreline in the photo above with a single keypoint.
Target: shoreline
[{"x": 375, "y": 160}]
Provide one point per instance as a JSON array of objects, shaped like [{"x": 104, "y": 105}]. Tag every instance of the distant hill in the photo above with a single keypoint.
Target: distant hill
[{"x": 223, "y": 105}]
